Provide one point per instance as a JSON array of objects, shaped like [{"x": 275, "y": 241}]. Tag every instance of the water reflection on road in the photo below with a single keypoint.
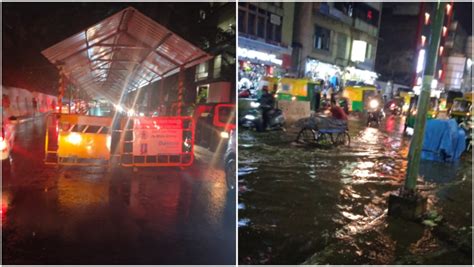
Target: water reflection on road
[
  {"x": 328, "y": 205},
  {"x": 91, "y": 215}
]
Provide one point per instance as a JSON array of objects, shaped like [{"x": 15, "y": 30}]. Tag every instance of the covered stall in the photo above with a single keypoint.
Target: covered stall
[{"x": 109, "y": 60}]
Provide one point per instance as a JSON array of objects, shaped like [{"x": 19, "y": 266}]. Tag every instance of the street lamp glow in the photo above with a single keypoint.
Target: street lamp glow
[{"x": 421, "y": 61}]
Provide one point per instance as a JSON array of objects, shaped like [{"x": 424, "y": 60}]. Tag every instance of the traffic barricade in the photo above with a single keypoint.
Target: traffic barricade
[
  {"x": 158, "y": 141},
  {"x": 73, "y": 139}
]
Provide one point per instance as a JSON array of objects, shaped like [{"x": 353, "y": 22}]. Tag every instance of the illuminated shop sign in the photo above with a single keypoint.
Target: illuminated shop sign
[
  {"x": 262, "y": 56},
  {"x": 358, "y": 50}
]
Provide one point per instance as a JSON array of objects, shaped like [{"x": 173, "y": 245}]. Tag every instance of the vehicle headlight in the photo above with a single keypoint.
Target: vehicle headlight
[
  {"x": 254, "y": 104},
  {"x": 142, "y": 114},
  {"x": 3, "y": 144},
  {"x": 119, "y": 108},
  {"x": 250, "y": 117},
  {"x": 225, "y": 134},
  {"x": 373, "y": 103},
  {"x": 74, "y": 138},
  {"x": 131, "y": 112}
]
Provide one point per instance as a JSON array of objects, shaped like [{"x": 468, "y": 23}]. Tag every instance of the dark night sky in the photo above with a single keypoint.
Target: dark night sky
[
  {"x": 29, "y": 28},
  {"x": 463, "y": 13}
]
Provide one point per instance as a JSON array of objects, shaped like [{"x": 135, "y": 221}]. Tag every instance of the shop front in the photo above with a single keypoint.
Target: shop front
[{"x": 258, "y": 60}]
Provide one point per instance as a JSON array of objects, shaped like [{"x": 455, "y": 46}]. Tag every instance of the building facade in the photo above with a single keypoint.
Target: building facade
[
  {"x": 405, "y": 38},
  {"x": 264, "y": 42},
  {"x": 336, "y": 42}
]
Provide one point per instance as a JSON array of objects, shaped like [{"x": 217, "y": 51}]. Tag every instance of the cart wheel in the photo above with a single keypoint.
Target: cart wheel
[
  {"x": 324, "y": 139},
  {"x": 343, "y": 139},
  {"x": 306, "y": 136}
]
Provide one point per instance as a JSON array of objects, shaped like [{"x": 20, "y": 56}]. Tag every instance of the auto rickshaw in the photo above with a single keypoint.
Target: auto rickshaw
[
  {"x": 433, "y": 111},
  {"x": 461, "y": 109},
  {"x": 406, "y": 95},
  {"x": 358, "y": 96},
  {"x": 214, "y": 122}
]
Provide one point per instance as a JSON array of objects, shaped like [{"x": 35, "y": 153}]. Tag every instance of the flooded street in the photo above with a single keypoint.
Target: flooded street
[
  {"x": 89, "y": 215},
  {"x": 328, "y": 205}
]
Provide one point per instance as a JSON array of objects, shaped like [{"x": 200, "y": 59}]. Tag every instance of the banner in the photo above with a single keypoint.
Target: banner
[{"x": 155, "y": 136}]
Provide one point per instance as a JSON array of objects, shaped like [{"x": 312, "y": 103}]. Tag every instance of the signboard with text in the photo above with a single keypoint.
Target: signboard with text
[{"x": 155, "y": 136}]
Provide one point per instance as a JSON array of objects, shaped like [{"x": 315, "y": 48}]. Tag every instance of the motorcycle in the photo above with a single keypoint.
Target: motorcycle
[
  {"x": 375, "y": 113},
  {"x": 253, "y": 118},
  {"x": 394, "y": 109}
]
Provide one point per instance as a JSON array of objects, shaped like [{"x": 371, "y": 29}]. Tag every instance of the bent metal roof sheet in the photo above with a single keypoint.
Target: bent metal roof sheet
[{"x": 122, "y": 53}]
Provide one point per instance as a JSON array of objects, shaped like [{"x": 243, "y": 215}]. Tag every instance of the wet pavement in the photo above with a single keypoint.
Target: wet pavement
[
  {"x": 72, "y": 215},
  {"x": 328, "y": 205}
]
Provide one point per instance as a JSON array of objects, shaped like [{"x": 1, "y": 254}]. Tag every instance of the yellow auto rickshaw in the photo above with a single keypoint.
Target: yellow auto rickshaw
[
  {"x": 461, "y": 108},
  {"x": 358, "y": 96},
  {"x": 406, "y": 96},
  {"x": 433, "y": 110}
]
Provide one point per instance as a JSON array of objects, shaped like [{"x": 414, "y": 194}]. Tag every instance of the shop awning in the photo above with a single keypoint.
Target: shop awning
[{"x": 122, "y": 53}]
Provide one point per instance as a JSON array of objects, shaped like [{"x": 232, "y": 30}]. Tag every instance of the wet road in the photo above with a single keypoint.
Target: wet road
[
  {"x": 90, "y": 216},
  {"x": 329, "y": 205}
]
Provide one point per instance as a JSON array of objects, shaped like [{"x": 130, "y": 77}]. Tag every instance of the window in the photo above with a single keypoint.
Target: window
[
  {"x": 242, "y": 22},
  {"x": 217, "y": 66},
  {"x": 368, "y": 54},
  {"x": 261, "y": 27},
  {"x": 366, "y": 13},
  {"x": 201, "y": 71},
  {"x": 341, "y": 46},
  {"x": 322, "y": 38},
  {"x": 251, "y": 24},
  {"x": 259, "y": 23}
]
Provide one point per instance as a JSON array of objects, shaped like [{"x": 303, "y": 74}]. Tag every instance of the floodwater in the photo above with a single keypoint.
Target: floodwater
[
  {"x": 91, "y": 215},
  {"x": 328, "y": 205}
]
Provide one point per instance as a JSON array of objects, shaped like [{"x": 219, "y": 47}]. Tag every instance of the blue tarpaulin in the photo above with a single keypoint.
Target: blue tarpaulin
[{"x": 444, "y": 141}]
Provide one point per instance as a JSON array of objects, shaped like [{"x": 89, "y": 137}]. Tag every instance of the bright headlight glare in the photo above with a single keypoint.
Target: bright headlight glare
[
  {"x": 225, "y": 134},
  {"x": 254, "y": 104},
  {"x": 74, "y": 138},
  {"x": 373, "y": 103},
  {"x": 3, "y": 144},
  {"x": 250, "y": 117}
]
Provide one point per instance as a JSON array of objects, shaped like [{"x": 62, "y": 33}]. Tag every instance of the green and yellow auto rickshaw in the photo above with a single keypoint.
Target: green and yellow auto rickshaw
[
  {"x": 358, "y": 96},
  {"x": 433, "y": 110},
  {"x": 461, "y": 109}
]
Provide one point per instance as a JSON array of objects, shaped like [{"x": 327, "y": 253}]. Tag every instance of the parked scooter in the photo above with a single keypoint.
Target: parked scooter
[
  {"x": 375, "y": 113},
  {"x": 254, "y": 118}
]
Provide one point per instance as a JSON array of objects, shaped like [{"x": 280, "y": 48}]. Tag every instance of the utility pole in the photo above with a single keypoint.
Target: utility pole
[
  {"x": 423, "y": 102},
  {"x": 409, "y": 204}
]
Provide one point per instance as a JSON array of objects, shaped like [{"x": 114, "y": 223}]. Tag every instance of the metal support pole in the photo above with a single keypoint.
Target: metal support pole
[
  {"x": 180, "y": 90},
  {"x": 61, "y": 88},
  {"x": 414, "y": 155}
]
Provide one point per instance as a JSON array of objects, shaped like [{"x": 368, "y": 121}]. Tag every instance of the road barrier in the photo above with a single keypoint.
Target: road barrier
[
  {"x": 158, "y": 141},
  {"x": 73, "y": 139}
]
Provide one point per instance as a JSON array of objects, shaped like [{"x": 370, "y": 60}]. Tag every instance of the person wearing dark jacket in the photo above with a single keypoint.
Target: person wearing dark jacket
[{"x": 267, "y": 103}]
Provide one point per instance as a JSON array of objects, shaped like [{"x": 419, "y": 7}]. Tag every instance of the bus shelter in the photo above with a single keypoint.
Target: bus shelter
[{"x": 109, "y": 60}]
